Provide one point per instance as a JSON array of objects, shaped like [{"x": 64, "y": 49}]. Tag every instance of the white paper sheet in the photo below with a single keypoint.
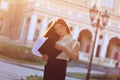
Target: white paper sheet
[{"x": 37, "y": 45}]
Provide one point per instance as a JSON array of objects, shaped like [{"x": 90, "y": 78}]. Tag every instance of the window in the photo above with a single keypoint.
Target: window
[
  {"x": 108, "y": 3},
  {"x": 4, "y": 5},
  {"x": 116, "y": 54},
  {"x": 88, "y": 48},
  {"x": 98, "y": 51}
]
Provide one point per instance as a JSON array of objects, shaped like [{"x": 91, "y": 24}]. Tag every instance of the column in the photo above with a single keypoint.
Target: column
[
  {"x": 98, "y": 3},
  {"x": 32, "y": 25},
  {"x": 96, "y": 44},
  {"x": 118, "y": 9},
  {"x": 104, "y": 46},
  {"x": 43, "y": 27},
  {"x": 22, "y": 29},
  {"x": 75, "y": 32},
  {"x": 92, "y": 2}
]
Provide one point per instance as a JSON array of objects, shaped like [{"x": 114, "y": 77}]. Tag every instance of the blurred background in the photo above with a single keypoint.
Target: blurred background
[{"x": 22, "y": 22}]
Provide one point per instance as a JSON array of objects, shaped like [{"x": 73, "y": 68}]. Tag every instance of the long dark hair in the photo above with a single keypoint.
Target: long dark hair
[{"x": 51, "y": 33}]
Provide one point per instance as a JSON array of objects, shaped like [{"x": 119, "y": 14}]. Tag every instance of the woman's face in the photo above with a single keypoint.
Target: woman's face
[{"x": 60, "y": 29}]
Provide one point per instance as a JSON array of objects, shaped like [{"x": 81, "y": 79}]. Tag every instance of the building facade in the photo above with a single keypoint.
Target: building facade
[{"x": 34, "y": 17}]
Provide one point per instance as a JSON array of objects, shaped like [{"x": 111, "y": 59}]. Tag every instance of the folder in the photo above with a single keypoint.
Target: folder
[{"x": 37, "y": 45}]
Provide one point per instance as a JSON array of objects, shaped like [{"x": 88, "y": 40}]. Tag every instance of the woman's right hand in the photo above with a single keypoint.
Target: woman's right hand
[
  {"x": 59, "y": 47},
  {"x": 45, "y": 57}
]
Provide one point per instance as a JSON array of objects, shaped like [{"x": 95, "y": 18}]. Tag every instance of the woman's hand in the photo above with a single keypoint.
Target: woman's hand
[
  {"x": 59, "y": 47},
  {"x": 45, "y": 57}
]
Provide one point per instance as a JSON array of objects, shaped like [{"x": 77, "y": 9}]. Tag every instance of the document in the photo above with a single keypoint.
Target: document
[{"x": 37, "y": 45}]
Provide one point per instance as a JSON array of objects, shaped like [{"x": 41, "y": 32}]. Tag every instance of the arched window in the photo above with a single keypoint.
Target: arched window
[{"x": 85, "y": 40}]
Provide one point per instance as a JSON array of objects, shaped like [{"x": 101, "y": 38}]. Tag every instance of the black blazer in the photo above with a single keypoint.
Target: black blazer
[{"x": 49, "y": 49}]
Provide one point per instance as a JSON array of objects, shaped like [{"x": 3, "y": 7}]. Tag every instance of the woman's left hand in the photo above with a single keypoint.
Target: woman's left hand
[{"x": 45, "y": 57}]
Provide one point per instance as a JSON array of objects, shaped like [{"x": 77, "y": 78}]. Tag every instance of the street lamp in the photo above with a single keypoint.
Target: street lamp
[{"x": 98, "y": 20}]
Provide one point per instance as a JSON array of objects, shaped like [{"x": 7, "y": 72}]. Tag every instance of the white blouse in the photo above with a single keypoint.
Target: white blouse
[{"x": 69, "y": 42}]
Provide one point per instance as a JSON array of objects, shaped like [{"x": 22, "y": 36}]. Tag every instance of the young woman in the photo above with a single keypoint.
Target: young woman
[{"x": 58, "y": 49}]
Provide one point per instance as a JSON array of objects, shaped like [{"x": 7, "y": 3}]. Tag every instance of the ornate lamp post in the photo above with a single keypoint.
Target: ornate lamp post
[{"x": 98, "y": 20}]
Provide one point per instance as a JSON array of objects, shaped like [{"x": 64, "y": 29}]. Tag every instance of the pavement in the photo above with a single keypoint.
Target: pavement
[
  {"x": 9, "y": 76},
  {"x": 73, "y": 69}
]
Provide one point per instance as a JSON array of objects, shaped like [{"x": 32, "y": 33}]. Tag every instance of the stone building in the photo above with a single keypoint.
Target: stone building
[
  {"x": 11, "y": 16},
  {"x": 28, "y": 19}
]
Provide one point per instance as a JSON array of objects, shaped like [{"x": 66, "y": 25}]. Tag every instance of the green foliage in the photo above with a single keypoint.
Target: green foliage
[
  {"x": 106, "y": 77},
  {"x": 118, "y": 78},
  {"x": 77, "y": 75},
  {"x": 33, "y": 77},
  {"x": 99, "y": 76},
  {"x": 19, "y": 52}
]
